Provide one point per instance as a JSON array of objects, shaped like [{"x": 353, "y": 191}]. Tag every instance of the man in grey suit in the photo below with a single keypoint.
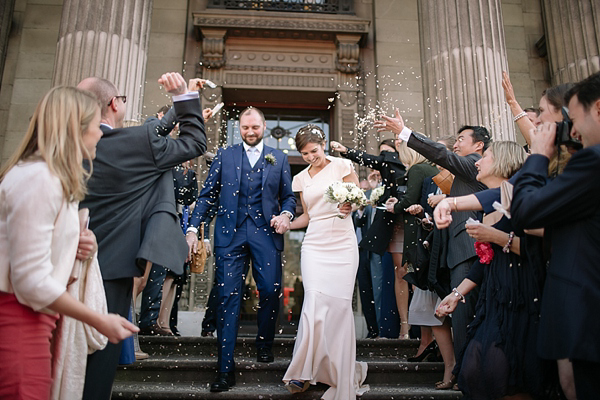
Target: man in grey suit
[
  {"x": 470, "y": 144},
  {"x": 132, "y": 203}
]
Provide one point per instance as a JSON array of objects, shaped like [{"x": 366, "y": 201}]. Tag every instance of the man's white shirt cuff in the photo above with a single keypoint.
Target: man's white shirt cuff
[
  {"x": 405, "y": 134},
  {"x": 187, "y": 96}
]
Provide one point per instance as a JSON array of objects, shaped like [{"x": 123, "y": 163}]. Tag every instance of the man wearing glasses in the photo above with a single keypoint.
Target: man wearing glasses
[{"x": 132, "y": 203}]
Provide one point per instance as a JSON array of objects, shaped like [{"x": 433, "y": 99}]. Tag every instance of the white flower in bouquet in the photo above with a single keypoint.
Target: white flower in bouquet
[
  {"x": 376, "y": 194},
  {"x": 345, "y": 192}
]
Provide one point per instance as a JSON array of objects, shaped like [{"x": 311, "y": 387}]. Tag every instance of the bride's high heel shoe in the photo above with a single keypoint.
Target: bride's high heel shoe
[{"x": 296, "y": 386}]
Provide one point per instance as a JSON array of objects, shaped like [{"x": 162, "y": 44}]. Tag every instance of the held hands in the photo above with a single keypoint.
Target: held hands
[
  {"x": 389, "y": 204},
  {"x": 392, "y": 124},
  {"x": 173, "y": 83},
  {"x": 87, "y": 245},
  {"x": 115, "y": 327},
  {"x": 338, "y": 147},
  {"x": 542, "y": 139},
  {"x": 192, "y": 240},
  {"x": 443, "y": 214},
  {"x": 415, "y": 209},
  {"x": 281, "y": 223},
  {"x": 435, "y": 199},
  {"x": 447, "y": 306}
]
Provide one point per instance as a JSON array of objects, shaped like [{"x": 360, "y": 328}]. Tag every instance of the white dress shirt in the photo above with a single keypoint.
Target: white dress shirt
[{"x": 253, "y": 152}]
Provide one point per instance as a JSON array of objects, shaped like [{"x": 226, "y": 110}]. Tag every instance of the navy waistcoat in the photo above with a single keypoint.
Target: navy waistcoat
[{"x": 250, "y": 202}]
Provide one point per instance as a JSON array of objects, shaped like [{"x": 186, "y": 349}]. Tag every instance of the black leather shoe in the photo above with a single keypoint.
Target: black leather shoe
[
  {"x": 428, "y": 353},
  {"x": 224, "y": 381},
  {"x": 264, "y": 355}
]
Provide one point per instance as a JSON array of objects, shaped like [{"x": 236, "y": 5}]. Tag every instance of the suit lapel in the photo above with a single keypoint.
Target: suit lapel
[
  {"x": 266, "y": 150},
  {"x": 238, "y": 155}
]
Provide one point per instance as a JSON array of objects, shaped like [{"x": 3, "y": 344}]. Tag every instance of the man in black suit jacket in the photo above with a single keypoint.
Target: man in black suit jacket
[
  {"x": 132, "y": 204},
  {"x": 470, "y": 144},
  {"x": 568, "y": 209}
]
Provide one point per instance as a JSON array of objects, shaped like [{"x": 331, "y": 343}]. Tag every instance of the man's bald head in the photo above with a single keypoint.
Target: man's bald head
[{"x": 103, "y": 89}]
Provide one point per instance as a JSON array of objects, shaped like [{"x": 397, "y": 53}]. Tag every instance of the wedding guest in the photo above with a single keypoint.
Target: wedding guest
[
  {"x": 426, "y": 277},
  {"x": 132, "y": 209},
  {"x": 386, "y": 233},
  {"x": 470, "y": 144},
  {"x": 40, "y": 241},
  {"x": 568, "y": 209},
  {"x": 325, "y": 348},
  {"x": 500, "y": 356}
]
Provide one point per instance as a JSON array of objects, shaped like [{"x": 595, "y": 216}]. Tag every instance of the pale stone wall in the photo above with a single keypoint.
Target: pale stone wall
[
  {"x": 29, "y": 67},
  {"x": 165, "y": 50},
  {"x": 398, "y": 60},
  {"x": 528, "y": 72}
]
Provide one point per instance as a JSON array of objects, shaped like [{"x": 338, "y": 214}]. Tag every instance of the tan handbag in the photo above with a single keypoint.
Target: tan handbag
[
  {"x": 444, "y": 181},
  {"x": 199, "y": 257}
]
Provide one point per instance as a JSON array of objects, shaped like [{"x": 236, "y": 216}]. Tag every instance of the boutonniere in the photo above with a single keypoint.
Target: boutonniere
[{"x": 271, "y": 159}]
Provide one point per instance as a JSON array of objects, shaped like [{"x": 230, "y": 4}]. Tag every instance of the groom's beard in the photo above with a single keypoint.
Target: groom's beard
[{"x": 255, "y": 143}]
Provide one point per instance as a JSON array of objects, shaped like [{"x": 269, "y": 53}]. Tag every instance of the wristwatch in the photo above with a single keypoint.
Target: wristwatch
[{"x": 289, "y": 214}]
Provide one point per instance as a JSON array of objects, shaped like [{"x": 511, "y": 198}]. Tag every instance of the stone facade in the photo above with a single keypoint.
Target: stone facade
[{"x": 373, "y": 57}]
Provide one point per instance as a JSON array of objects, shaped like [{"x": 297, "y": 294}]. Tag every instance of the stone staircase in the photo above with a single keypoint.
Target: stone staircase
[{"x": 184, "y": 367}]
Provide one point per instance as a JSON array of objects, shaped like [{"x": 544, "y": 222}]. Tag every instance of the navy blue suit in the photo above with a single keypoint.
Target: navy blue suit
[{"x": 247, "y": 198}]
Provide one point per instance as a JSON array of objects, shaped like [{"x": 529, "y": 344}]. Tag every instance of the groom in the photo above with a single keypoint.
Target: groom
[{"x": 252, "y": 186}]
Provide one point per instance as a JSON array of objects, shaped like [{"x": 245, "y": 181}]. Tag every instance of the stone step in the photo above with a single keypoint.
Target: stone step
[
  {"x": 282, "y": 347},
  {"x": 201, "y": 370},
  {"x": 269, "y": 391}
]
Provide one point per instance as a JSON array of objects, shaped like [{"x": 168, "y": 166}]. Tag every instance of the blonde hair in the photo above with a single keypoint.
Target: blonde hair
[
  {"x": 55, "y": 134},
  {"x": 408, "y": 156},
  {"x": 558, "y": 161},
  {"x": 509, "y": 157}
]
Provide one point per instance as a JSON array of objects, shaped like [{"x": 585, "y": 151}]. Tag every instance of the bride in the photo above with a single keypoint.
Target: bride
[{"x": 325, "y": 349}]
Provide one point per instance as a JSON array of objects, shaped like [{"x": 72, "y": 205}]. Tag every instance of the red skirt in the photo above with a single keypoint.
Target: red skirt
[{"x": 25, "y": 356}]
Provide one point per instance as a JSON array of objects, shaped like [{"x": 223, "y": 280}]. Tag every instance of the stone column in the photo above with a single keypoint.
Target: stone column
[
  {"x": 108, "y": 39},
  {"x": 463, "y": 55},
  {"x": 572, "y": 37},
  {"x": 6, "y": 14}
]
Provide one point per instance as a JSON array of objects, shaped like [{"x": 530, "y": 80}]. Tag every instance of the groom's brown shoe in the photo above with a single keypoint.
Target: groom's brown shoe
[{"x": 224, "y": 381}]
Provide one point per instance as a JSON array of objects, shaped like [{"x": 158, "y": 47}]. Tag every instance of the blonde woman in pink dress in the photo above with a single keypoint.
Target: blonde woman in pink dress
[{"x": 325, "y": 349}]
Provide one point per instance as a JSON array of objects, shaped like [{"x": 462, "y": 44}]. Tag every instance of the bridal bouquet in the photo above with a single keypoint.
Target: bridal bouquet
[
  {"x": 345, "y": 192},
  {"x": 376, "y": 195}
]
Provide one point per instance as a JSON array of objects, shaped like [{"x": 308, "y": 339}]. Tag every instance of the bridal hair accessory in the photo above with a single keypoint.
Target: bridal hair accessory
[{"x": 315, "y": 130}]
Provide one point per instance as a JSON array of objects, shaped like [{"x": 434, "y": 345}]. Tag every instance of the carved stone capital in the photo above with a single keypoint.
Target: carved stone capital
[
  {"x": 213, "y": 48},
  {"x": 348, "y": 53}
]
